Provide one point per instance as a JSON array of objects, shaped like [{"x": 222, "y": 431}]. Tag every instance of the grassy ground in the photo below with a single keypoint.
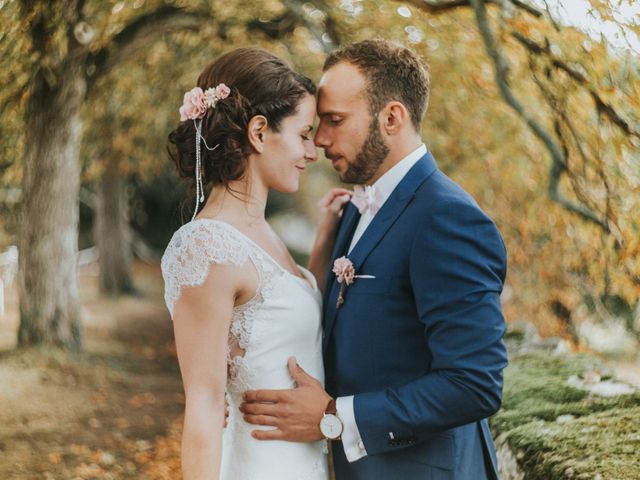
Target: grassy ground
[
  {"x": 558, "y": 431},
  {"x": 111, "y": 412}
]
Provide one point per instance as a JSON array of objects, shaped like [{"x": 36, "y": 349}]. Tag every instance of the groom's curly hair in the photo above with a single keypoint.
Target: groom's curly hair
[{"x": 392, "y": 72}]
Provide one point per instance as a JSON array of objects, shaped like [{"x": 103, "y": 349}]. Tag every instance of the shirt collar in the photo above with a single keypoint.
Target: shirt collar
[{"x": 387, "y": 183}]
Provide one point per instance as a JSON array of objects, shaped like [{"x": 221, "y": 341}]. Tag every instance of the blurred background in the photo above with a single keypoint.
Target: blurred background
[{"x": 534, "y": 110}]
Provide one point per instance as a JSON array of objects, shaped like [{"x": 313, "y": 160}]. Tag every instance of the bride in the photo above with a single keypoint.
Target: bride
[{"x": 241, "y": 306}]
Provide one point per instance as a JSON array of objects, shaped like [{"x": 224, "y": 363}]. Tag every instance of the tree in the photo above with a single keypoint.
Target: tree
[
  {"x": 536, "y": 119},
  {"x": 64, "y": 69}
]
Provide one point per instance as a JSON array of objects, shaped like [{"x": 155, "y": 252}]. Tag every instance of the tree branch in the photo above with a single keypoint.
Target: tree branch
[
  {"x": 330, "y": 22},
  {"x": 558, "y": 165},
  {"x": 527, "y": 8},
  {"x": 601, "y": 105},
  {"x": 441, "y": 6},
  {"x": 302, "y": 17},
  {"x": 140, "y": 32},
  {"x": 437, "y": 6},
  {"x": 295, "y": 15},
  {"x": 275, "y": 28}
]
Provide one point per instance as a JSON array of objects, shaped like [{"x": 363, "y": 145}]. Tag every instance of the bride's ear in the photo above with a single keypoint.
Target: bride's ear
[{"x": 256, "y": 131}]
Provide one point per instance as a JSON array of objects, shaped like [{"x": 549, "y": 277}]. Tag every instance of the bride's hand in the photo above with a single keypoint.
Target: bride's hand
[{"x": 331, "y": 207}]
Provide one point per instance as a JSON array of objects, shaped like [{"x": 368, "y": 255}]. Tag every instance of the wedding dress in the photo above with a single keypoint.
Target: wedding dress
[{"x": 282, "y": 319}]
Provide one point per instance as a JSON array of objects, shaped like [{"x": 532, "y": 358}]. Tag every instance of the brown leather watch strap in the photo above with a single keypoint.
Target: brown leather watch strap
[{"x": 331, "y": 407}]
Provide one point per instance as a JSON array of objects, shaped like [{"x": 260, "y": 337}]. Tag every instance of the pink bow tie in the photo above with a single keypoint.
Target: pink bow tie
[{"x": 367, "y": 198}]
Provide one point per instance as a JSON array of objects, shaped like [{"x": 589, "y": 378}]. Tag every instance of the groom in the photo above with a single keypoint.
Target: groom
[{"x": 413, "y": 346}]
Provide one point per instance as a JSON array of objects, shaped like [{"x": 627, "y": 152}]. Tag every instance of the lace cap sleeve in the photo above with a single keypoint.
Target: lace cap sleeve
[{"x": 192, "y": 250}]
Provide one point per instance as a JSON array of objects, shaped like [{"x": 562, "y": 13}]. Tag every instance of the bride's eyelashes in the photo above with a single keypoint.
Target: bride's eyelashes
[{"x": 306, "y": 136}]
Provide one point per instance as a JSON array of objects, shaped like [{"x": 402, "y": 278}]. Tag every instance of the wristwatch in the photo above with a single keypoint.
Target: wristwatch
[{"x": 331, "y": 425}]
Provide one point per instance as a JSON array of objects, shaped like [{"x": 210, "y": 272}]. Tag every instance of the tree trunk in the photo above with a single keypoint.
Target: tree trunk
[
  {"x": 48, "y": 239},
  {"x": 48, "y": 242},
  {"x": 111, "y": 232}
]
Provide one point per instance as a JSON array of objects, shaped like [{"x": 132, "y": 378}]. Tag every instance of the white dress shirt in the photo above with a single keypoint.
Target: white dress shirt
[{"x": 351, "y": 440}]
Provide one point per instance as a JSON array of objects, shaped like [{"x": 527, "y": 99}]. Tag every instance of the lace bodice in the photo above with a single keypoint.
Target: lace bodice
[
  {"x": 186, "y": 263},
  {"x": 281, "y": 319},
  {"x": 191, "y": 252}
]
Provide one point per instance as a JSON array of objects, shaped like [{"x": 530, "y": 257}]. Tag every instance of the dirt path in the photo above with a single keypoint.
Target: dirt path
[{"x": 110, "y": 412}]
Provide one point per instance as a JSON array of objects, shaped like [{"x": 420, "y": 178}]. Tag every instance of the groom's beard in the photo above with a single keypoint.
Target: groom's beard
[{"x": 371, "y": 155}]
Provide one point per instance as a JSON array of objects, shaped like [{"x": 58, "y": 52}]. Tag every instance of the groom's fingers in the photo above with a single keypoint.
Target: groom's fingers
[
  {"x": 261, "y": 420},
  {"x": 297, "y": 372},
  {"x": 273, "y": 396},
  {"x": 276, "y": 434},
  {"x": 261, "y": 409}
]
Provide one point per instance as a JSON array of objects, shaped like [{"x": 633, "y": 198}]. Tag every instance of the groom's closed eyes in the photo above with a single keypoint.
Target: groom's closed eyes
[{"x": 332, "y": 118}]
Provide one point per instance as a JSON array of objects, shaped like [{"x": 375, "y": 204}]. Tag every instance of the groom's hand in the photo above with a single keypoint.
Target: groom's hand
[{"x": 294, "y": 413}]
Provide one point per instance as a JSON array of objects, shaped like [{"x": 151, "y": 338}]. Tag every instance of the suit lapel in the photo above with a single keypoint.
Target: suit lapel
[
  {"x": 345, "y": 233},
  {"x": 382, "y": 221},
  {"x": 391, "y": 210},
  {"x": 331, "y": 287}
]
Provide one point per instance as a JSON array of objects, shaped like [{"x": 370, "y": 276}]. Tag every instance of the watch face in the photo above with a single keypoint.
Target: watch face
[{"x": 331, "y": 426}]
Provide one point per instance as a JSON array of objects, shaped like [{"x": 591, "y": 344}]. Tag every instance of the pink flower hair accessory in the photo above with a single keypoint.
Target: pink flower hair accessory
[{"x": 195, "y": 104}]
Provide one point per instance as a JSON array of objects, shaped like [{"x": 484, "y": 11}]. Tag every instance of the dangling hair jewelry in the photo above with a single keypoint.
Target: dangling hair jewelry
[{"x": 194, "y": 107}]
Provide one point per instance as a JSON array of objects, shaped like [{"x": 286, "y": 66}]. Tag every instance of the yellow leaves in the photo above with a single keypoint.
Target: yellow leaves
[
  {"x": 520, "y": 25},
  {"x": 54, "y": 457},
  {"x": 142, "y": 400}
]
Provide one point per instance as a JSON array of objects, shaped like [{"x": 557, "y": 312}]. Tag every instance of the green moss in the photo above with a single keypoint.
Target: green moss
[{"x": 603, "y": 438}]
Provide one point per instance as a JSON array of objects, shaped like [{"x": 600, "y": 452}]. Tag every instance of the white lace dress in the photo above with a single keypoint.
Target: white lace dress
[{"x": 282, "y": 319}]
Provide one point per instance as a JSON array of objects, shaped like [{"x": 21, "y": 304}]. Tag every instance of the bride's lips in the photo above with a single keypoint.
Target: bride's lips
[{"x": 300, "y": 169}]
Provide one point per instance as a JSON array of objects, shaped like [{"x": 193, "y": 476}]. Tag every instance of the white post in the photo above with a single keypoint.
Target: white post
[
  {"x": 1, "y": 296},
  {"x": 8, "y": 269}
]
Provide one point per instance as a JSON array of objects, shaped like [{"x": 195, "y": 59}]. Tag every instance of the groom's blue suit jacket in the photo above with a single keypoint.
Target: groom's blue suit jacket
[{"x": 420, "y": 345}]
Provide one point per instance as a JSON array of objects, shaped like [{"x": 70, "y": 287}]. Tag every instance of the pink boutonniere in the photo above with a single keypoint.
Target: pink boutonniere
[{"x": 345, "y": 274}]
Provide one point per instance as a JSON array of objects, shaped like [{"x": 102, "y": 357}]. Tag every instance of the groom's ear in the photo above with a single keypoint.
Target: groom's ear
[
  {"x": 394, "y": 117},
  {"x": 256, "y": 130}
]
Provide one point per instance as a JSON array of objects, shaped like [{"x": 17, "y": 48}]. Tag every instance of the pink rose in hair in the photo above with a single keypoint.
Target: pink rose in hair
[
  {"x": 193, "y": 105},
  {"x": 222, "y": 91}
]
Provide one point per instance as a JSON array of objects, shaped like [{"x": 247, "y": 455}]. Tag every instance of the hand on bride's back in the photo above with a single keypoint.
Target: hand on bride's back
[{"x": 331, "y": 207}]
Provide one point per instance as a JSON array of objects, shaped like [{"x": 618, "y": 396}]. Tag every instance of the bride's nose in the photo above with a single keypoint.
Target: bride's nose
[{"x": 311, "y": 153}]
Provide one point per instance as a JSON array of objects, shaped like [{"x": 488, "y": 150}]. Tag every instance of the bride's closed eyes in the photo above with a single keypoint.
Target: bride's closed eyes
[{"x": 306, "y": 135}]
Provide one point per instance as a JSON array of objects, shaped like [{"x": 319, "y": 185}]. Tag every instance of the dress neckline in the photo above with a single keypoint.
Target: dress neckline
[{"x": 308, "y": 281}]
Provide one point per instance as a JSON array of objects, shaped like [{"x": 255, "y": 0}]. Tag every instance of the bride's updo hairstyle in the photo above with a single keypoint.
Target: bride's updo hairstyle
[{"x": 260, "y": 84}]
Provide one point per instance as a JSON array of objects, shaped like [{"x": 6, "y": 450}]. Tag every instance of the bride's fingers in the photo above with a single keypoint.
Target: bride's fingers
[
  {"x": 330, "y": 196},
  {"x": 276, "y": 434},
  {"x": 338, "y": 203}
]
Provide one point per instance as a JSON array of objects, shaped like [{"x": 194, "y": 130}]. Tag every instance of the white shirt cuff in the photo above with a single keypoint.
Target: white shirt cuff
[{"x": 351, "y": 440}]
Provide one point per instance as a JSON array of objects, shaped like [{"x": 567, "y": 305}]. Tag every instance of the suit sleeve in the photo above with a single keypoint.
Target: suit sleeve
[{"x": 457, "y": 270}]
